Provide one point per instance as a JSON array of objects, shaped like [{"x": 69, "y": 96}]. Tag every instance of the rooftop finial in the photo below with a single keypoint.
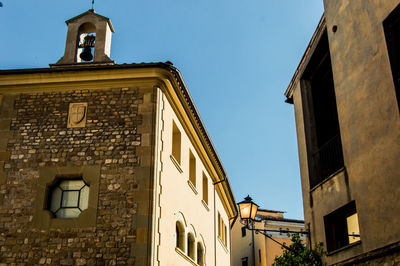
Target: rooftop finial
[{"x": 92, "y": 4}]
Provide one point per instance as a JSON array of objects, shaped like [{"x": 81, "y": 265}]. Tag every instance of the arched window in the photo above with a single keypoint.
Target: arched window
[
  {"x": 180, "y": 236},
  {"x": 200, "y": 254},
  {"x": 190, "y": 246}
]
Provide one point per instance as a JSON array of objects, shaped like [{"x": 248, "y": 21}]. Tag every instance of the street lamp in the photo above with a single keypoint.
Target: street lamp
[{"x": 248, "y": 210}]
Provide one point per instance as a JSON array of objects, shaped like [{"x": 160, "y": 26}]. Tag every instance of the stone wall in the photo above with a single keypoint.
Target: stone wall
[
  {"x": 36, "y": 136},
  {"x": 387, "y": 256},
  {"x": 392, "y": 259}
]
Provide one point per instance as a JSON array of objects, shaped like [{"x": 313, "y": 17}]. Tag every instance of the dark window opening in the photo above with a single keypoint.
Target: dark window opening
[
  {"x": 391, "y": 27},
  {"x": 200, "y": 254},
  {"x": 190, "y": 246},
  {"x": 180, "y": 236},
  {"x": 245, "y": 261},
  {"x": 176, "y": 143},
  {"x": 325, "y": 149},
  {"x": 243, "y": 231},
  {"x": 341, "y": 227}
]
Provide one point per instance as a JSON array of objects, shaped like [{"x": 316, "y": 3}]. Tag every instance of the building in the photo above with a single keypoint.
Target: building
[
  {"x": 252, "y": 249},
  {"x": 346, "y": 100},
  {"x": 107, "y": 164}
]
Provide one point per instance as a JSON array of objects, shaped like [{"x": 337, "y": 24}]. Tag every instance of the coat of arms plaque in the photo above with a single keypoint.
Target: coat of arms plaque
[{"x": 77, "y": 115}]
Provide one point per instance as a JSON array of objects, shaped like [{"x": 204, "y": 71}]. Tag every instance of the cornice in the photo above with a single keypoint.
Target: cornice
[
  {"x": 93, "y": 13},
  {"x": 305, "y": 59}
]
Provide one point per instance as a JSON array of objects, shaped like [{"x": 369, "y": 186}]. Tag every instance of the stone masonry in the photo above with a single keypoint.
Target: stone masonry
[{"x": 34, "y": 129}]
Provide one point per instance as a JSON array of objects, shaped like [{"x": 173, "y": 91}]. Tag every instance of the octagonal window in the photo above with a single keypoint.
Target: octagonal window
[{"x": 68, "y": 198}]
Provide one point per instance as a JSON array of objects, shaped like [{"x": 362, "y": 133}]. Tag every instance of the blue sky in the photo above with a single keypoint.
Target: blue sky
[{"x": 236, "y": 57}]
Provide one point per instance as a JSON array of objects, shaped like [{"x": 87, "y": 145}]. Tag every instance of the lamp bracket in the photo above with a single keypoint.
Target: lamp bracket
[{"x": 265, "y": 232}]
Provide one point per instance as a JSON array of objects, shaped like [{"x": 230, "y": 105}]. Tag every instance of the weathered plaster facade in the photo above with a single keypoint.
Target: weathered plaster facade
[
  {"x": 122, "y": 150},
  {"x": 369, "y": 122}
]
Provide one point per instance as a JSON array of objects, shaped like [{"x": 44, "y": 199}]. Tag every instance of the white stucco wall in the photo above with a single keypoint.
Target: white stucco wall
[{"x": 176, "y": 200}]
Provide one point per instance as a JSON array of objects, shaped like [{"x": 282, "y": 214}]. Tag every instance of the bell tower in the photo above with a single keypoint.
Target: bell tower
[{"x": 88, "y": 40}]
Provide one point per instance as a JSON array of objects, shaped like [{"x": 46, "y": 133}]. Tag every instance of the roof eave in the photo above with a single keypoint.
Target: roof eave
[
  {"x": 91, "y": 11},
  {"x": 177, "y": 76},
  {"x": 304, "y": 60}
]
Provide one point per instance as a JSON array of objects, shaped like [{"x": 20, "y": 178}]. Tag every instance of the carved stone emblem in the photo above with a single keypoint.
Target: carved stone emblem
[{"x": 77, "y": 115}]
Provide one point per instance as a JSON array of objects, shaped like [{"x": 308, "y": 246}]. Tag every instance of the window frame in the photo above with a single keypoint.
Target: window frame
[
  {"x": 200, "y": 258},
  {"x": 176, "y": 141},
  {"x": 245, "y": 261},
  {"x": 243, "y": 231},
  {"x": 57, "y": 185},
  {"x": 191, "y": 246},
  {"x": 336, "y": 228},
  {"x": 205, "y": 189},
  {"x": 222, "y": 231},
  {"x": 43, "y": 218},
  {"x": 321, "y": 146},
  {"x": 219, "y": 225},
  {"x": 192, "y": 168},
  {"x": 180, "y": 236}
]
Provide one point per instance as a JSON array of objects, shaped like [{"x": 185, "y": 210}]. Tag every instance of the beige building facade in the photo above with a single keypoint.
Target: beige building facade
[
  {"x": 107, "y": 164},
  {"x": 253, "y": 249},
  {"x": 346, "y": 99}
]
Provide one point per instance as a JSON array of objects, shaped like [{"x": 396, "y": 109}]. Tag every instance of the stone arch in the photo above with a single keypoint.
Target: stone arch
[
  {"x": 86, "y": 41},
  {"x": 87, "y": 27},
  {"x": 180, "y": 217},
  {"x": 193, "y": 230}
]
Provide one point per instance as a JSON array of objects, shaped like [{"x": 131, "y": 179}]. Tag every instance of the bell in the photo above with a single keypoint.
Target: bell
[
  {"x": 86, "y": 55},
  {"x": 87, "y": 45}
]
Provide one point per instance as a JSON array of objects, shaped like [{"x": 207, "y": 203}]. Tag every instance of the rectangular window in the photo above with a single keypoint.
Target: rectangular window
[
  {"x": 205, "y": 189},
  {"x": 341, "y": 227},
  {"x": 245, "y": 261},
  {"x": 391, "y": 27},
  {"x": 219, "y": 225},
  {"x": 322, "y": 123},
  {"x": 222, "y": 230},
  {"x": 225, "y": 236},
  {"x": 176, "y": 143},
  {"x": 243, "y": 231},
  {"x": 259, "y": 255},
  {"x": 192, "y": 168}
]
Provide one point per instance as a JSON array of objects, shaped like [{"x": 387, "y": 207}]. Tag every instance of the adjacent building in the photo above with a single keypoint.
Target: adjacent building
[
  {"x": 346, "y": 97},
  {"x": 107, "y": 164},
  {"x": 252, "y": 249}
]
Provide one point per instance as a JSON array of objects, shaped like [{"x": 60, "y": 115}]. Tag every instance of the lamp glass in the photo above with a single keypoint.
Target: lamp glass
[
  {"x": 245, "y": 210},
  {"x": 253, "y": 213}
]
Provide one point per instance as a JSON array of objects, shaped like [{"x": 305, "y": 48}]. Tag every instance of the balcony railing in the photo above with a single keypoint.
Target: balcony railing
[{"x": 327, "y": 160}]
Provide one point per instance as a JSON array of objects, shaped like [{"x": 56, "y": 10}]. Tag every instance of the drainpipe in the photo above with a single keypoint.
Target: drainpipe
[
  {"x": 215, "y": 235},
  {"x": 215, "y": 228},
  {"x": 253, "y": 250}
]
